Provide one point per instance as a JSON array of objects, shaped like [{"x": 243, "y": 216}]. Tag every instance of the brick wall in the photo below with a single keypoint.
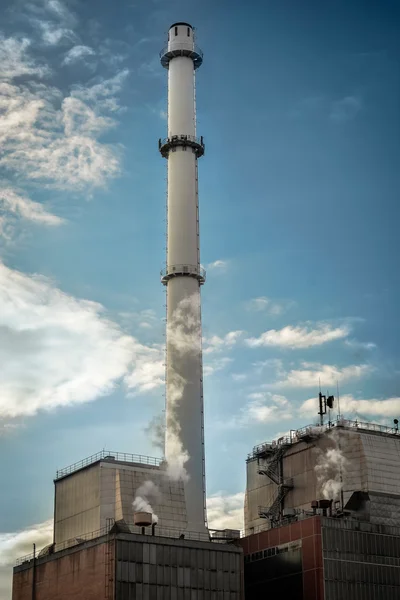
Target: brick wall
[{"x": 74, "y": 574}]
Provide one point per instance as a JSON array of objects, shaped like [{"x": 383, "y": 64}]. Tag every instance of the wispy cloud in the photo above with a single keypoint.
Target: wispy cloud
[
  {"x": 213, "y": 365},
  {"x": 360, "y": 345},
  {"x": 54, "y": 35},
  {"x": 16, "y": 60},
  {"x": 389, "y": 407},
  {"x": 57, "y": 350},
  {"x": 59, "y": 147},
  {"x": 217, "y": 265},
  {"x": 261, "y": 407},
  {"x": 345, "y": 109},
  {"x": 215, "y": 343},
  {"x": 265, "y": 407},
  {"x": 77, "y": 53},
  {"x": 311, "y": 374},
  {"x": 18, "y": 204},
  {"x": 264, "y": 304},
  {"x": 239, "y": 376},
  {"x": 304, "y": 336}
]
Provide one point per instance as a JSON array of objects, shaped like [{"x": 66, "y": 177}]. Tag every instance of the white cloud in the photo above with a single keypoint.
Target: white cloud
[
  {"x": 15, "y": 60},
  {"x": 102, "y": 94},
  {"x": 216, "y": 364},
  {"x": 216, "y": 343},
  {"x": 77, "y": 53},
  {"x": 220, "y": 265},
  {"x": 225, "y": 511},
  {"x": 17, "y": 544},
  {"x": 265, "y": 407},
  {"x": 56, "y": 350},
  {"x": 53, "y": 35},
  {"x": 327, "y": 375},
  {"x": 55, "y": 141},
  {"x": 264, "y": 304},
  {"x": 389, "y": 407},
  {"x": 360, "y": 345},
  {"x": 346, "y": 108},
  {"x": 239, "y": 376},
  {"x": 14, "y": 205},
  {"x": 299, "y": 337},
  {"x": 148, "y": 372}
]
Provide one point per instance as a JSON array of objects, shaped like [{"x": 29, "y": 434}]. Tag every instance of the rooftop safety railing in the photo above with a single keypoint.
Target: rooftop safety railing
[
  {"x": 217, "y": 535},
  {"x": 315, "y": 430},
  {"x": 110, "y": 455}
]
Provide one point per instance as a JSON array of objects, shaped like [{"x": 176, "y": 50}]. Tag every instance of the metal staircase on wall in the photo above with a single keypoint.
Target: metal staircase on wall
[
  {"x": 273, "y": 512},
  {"x": 273, "y": 469}
]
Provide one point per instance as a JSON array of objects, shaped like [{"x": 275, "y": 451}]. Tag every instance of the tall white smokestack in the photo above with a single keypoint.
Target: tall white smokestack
[{"x": 183, "y": 276}]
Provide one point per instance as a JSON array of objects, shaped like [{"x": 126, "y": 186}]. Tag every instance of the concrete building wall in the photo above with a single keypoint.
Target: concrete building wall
[
  {"x": 371, "y": 465},
  {"x": 77, "y": 504},
  {"x": 85, "y": 500}
]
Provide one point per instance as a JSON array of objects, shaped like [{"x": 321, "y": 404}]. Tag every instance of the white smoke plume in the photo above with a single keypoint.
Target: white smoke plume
[
  {"x": 176, "y": 455},
  {"x": 184, "y": 336},
  {"x": 156, "y": 432},
  {"x": 146, "y": 495},
  {"x": 330, "y": 468},
  {"x": 184, "y": 329}
]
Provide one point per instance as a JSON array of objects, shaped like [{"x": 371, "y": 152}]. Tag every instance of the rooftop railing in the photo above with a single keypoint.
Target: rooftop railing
[
  {"x": 109, "y": 455},
  {"x": 315, "y": 430},
  {"x": 217, "y": 535}
]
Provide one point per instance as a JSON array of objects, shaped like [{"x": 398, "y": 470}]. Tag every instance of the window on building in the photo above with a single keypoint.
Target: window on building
[
  {"x": 188, "y": 31},
  {"x": 176, "y": 31}
]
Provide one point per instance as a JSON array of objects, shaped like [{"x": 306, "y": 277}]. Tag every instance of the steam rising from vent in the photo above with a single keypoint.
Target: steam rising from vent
[
  {"x": 146, "y": 495},
  {"x": 330, "y": 469}
]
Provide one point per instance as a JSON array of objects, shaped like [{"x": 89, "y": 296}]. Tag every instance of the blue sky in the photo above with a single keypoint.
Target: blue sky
[{"x": 299, "y": 189}]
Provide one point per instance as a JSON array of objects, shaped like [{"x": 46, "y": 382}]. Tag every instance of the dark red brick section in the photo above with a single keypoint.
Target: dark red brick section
[{"x": 309, "y": 532}]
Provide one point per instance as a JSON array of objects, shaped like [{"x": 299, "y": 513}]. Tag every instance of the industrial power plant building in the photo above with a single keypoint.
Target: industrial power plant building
[
  {"x": 322, "y": 505},
  {"x": 322, "y": 514}
]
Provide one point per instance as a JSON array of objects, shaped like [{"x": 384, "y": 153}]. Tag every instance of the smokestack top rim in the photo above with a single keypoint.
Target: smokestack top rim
[{"x": 181, "y": 23}]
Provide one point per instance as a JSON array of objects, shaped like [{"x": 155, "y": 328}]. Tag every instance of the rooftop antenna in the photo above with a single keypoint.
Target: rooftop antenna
[
  {"x": 324, "y": 402},
  {"x": 338, "y": 398}
]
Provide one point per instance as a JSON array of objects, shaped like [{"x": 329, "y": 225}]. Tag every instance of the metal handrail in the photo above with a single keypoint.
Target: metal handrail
[
  {"x": 183, "y": 137},
  {"x": 118, "y": 456},
  {"x": 318, "y": 429},
  {"x": 171, "y": 269},
  {"x": 173, "y": 47},
  {"x": 169, "y": 532}
]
